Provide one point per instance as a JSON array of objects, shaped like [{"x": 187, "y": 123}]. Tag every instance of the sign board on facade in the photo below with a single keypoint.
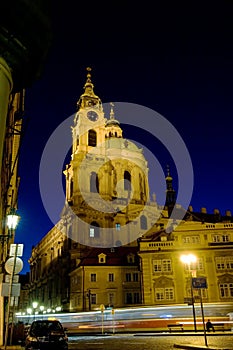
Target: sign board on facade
[{"x": 199, "y": 282}]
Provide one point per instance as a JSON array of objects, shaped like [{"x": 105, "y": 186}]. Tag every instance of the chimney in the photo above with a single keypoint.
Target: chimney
[
  {"x": 228, "y": 213},
  {"x": 216, "y": 212},
  {"x": 203, "y": 210}
]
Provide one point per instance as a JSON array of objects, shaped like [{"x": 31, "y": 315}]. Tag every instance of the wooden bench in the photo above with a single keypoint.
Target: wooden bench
[
  {"x": 219, "y": 326},
  {"x": 175, "y": 325}
]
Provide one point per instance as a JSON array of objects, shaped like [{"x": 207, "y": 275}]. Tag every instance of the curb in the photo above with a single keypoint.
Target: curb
[{"x": 197, "y": 347}]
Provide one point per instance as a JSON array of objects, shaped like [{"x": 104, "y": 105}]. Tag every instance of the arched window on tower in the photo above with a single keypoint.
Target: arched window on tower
[
  {"x": 94, "y": 230},
  {"x": 127, "y": 181},
  {"x": 143, "y": 222},
  {"x": 94, "y": 183},
  {"x": 92, "y": 138}
]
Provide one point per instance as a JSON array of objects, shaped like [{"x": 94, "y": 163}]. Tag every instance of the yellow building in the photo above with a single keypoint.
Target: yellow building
[
  {"x": 110, "y": 245},
  {"x": 106, "y": 276},
  {"x": 167, "y": 280}
]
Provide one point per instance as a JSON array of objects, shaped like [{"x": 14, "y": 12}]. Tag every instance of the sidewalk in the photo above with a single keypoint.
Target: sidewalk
[
  {"x": 12, "y": 347},
  {"x": 197, "y": 347}
]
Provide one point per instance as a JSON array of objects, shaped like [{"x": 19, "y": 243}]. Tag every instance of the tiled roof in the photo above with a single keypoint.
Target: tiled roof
[{"x": 116, "y": 256}]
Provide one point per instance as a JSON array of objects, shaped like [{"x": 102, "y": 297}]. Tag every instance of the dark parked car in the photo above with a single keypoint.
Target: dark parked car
[{"x": 46, "y": 334}]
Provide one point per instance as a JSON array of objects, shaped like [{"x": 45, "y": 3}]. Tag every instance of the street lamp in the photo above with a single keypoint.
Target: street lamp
[
  {"x": 12, "y": 220},
  {"x": 188, "y": 259},
  {"x": 41, "y": 308}
]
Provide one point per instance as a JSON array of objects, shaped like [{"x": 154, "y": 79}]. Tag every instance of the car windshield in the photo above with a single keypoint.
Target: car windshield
[{"x": 42, "y": 328}]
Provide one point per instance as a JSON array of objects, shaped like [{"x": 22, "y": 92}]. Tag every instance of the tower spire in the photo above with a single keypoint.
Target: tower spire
[
  {"x": 170, "y": 192},
  {"x": 89, "y": 99},
  {"x": 112, "y": 114}
]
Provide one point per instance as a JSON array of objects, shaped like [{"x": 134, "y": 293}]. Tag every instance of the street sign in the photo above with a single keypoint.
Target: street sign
[
  {"x": 15, "y": 292},
  {"x": 199, "y": 283},
  {"x": 15, "y": 264},
  {"x": 15, "y": 278},
  {"x": 13, "y": 249}
]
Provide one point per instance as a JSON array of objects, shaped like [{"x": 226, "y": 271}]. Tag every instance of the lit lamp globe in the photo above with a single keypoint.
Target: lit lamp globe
[
  {"x": 188, "y": 259},
  {"x": 41, "y": 308},
  {"x": 12, "y": 220},
  {"x": 29, "y": 311},
  {"x": 34, "y": 304}
]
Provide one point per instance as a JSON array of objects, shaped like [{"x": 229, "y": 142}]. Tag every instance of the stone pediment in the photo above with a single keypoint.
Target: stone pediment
[
  {"x": 162, "y": 282},
  {"x": 226, "y": 278}
]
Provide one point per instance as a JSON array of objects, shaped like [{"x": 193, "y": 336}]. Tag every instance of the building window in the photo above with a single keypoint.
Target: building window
[
  {"x": 135, "y": 277},
  {"x": 224, "y": 263},
  {"x": 118, "y": 226},
  {"x": 94, "y": 183},
  {"x": 221, "y": 238},
  {"x": 93, "y": 299},
  {"x": 225, "y": 238},
  {"x": 92, "y": 232},
  {"x": 93, "y": 277},
  {"x": 191, "y": 239},
  {"x": 164, "y": 294},
  {"x": 136, "y": 296},
  {"x": 111, "y": 298},
  {"x": 132, "y": 298},
  {"x": 128, "y": 277},
  {"x": 143, "y": 222},
  {"x": 163, "y": 265},
  {"x": 129, "y": 298},
  {"x": 226, "y": 290},
  {"x": 94, "y": 229},
  {"x": 92, "y": 138},
  {"x": 127, "y": 181},
  {"x": 110, "y": 277}
]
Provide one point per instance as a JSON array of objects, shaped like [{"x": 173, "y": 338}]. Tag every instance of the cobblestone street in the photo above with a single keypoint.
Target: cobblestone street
[{"x": 148, "y": 342}]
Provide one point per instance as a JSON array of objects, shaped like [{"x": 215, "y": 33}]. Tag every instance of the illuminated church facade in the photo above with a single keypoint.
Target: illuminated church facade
[{"x": 111, "y": 245}]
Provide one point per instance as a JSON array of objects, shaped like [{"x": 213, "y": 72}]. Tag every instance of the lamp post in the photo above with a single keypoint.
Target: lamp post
[
  {"x": 29, "y": 312},
  {"x": 12, "y": 222},
  {"x": 188, "y": 259},
  {"x": 34, "y": 305}
]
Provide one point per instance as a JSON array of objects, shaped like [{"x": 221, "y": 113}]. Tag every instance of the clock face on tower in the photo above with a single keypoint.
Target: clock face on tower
[{"x": 92, "y": 115}]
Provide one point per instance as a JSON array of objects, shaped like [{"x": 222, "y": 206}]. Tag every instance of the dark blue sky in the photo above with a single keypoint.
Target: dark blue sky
[{"x": 177, "y": 61}]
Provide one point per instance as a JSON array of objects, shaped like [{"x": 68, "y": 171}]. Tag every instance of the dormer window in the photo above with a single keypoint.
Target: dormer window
[
  {"x": 102, "y": 258},
  {"x": 130, "y": 258}
]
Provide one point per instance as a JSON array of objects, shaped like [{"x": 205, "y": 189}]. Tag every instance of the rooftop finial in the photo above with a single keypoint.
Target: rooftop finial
[
  {"x": 112, "y": 114},
  {"x": 88, "y": 75},
  {"x": 168, "y": 170}
]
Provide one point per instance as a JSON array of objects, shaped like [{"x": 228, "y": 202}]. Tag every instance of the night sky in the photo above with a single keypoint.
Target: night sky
[{"x": 176, "y": 61}]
